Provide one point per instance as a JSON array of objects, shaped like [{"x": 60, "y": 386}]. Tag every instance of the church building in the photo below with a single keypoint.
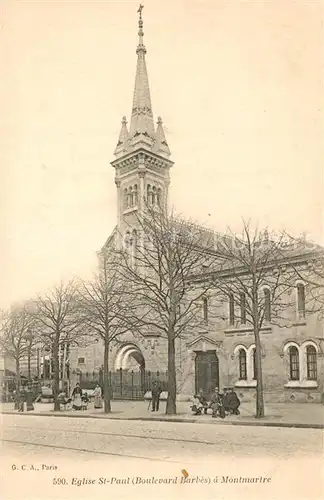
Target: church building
[{"x": 223, "y": 355}]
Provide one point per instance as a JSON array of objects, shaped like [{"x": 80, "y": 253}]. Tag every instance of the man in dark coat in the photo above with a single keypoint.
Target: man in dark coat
[
  {"x": 233, "y": 402},
  {"x": 156, "y": 393}
]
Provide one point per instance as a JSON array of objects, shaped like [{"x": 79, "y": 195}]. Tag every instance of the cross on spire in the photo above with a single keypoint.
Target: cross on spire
[{"x": 140, "y": 8}]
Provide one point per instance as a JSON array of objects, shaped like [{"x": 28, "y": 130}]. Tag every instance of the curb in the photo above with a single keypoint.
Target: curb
[{"x": 176, "y": 420}]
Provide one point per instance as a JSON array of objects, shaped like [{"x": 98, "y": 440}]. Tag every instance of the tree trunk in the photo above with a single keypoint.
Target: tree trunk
[
  {"x": 107, "y": 391},
  {"x": 259, "y": 388},
  {"x": 18, "y": 383},
  {"x": 171, "y": 407},
  {"x": 56, "y": 381},
  {"x": 29, "y": 363}
]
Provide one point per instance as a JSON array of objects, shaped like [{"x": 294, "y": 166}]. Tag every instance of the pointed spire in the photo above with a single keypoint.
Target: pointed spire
[
  {"x": 141, "y": 132},
  {"x": 123, "y": 137},
  {"x": 161, "y": 145},
  {"x": 142, "y": 116}
]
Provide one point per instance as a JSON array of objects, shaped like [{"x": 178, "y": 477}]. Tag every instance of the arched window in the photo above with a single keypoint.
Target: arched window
[
  {"x": 243, "y": 308},
  {"x": 254, "y": 364},
  {"x": 154, "y": 195},
  {"x": 231, "y": 309},
  {"x": 130, "y": 197},
  {"x": 242, "y": 365},
  {"x": 267, "y": 305},
  {"x": 149, "y": 194},
  {"x": 127, "y": 239},
  {"x": 159, "y": 197},
  {"x": 135, "y": 196},
  {"x": 205, "y": 308},
  {"x": 301, "y": 300},
  {"x": 311, "y": 362},
  {"x": 293, "y": 363}
]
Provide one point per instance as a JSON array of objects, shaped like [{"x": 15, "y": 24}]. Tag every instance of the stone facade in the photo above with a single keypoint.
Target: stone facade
[{"x": 217, "y": 356}]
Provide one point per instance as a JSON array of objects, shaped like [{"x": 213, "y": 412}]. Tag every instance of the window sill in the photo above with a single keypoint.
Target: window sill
[
  {"x": 306, "y": 384},
  {"x": 246, "y": 383},
  {"x": 130, "y": 210},
  {"x": 300, "y": 323},
  {"x": 246, "y": 330}
]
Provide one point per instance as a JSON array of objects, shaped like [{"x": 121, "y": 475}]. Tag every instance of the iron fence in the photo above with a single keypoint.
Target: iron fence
[{"x": 125, "y": 384}]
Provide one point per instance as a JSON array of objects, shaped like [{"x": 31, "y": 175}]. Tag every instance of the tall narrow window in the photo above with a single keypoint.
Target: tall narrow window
[
  {"x": 231, "y": 309},
  {"x": 135, "y": 196},
  {"x": 205, "y": 308},
  {"x": 130, "y": 197},
  {"x": 293, "y": 363},
  {"x": 159, "y": 197},
  {"x": 149, "y": 194},
  {"x": 125, "y": 199},
  {"x": 267, "y": 305},
  {"x": 154, "y": 195},
  {"x": 254, "y": 364},
  {"x": 242, "y": 365},
  {"x": 243, "y": 308},
  {"x": 301, "y": 300},
  {"x": 311, "y": 362}
]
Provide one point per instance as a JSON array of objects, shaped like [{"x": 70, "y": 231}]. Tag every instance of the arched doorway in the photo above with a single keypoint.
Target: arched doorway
[
  {"x": 206, "y": 371},
  {"x": 128, "y": 378},
  {"x": 129, "y": 357}
]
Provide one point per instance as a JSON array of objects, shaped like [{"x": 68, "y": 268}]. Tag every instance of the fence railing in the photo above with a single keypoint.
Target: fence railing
[{"x": 125, "y": 384}]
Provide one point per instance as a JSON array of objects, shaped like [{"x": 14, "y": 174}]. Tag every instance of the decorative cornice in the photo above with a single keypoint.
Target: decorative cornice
[
  {"x": 204, "y": 339},
  {"x": 152, "y": 161}
]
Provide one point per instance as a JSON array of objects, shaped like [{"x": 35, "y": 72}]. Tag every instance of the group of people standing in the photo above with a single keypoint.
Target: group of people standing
[
  {"x": 80, "y": 398},
  {"x": 220, "y": 403}
]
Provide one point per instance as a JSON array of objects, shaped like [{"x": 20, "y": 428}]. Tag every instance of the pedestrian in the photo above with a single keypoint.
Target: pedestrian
[
  {"x": 156, "y": 393},
  {"x": 97, "y": 397},
  {"x": 76, "y": 397},
  {"x": 22, "y": 397},
  {"x": 29, "y": 399}
]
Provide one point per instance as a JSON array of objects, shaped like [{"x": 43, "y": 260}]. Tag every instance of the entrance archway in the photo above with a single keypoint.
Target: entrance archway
[{"x": 130, "y": 357}]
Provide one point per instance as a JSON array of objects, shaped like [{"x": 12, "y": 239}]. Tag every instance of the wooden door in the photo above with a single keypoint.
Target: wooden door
[{"x": 206, "y": 371}]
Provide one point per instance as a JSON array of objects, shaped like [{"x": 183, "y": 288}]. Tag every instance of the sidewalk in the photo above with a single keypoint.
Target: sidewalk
[{"x": 305, "y": 415}]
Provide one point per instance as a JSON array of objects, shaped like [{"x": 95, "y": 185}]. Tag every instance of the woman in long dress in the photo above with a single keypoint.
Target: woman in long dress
[
  {"x": 76, "y": 397},
  {"x": 97, "y": 397}
]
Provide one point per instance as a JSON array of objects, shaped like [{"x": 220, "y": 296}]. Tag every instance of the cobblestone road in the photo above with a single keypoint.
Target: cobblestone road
[{"x": 90, "y": 449}]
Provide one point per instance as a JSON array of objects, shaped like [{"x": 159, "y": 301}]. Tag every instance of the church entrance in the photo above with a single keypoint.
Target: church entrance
[
  {"x": 206, "y": 371},
  {"x": 129, "y": 379}
]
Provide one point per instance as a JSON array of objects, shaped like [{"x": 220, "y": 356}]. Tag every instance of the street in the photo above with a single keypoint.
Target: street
[{"x": 65, "y": 453}]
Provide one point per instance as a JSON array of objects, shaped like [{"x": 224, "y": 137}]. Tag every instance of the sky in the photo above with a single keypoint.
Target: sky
[{"x": 237, "y": 83}]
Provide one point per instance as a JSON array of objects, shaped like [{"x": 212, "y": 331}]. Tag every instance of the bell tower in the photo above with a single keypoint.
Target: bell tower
[{"x": 142, "y": 164}]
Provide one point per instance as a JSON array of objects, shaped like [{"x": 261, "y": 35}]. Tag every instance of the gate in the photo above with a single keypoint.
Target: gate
[{"x": 125, "y": 384}]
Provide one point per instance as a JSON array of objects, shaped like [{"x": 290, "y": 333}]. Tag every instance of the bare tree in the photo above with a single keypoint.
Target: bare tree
[
  {"x": 158, "y": 261},
  {"x": 312, "y": 274},
  {"x": 255, "y": 274},
  {"x": 57, "y": 319},
  {"x": 105, "y": 304},
  {"x": 17, "y": 339}
]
